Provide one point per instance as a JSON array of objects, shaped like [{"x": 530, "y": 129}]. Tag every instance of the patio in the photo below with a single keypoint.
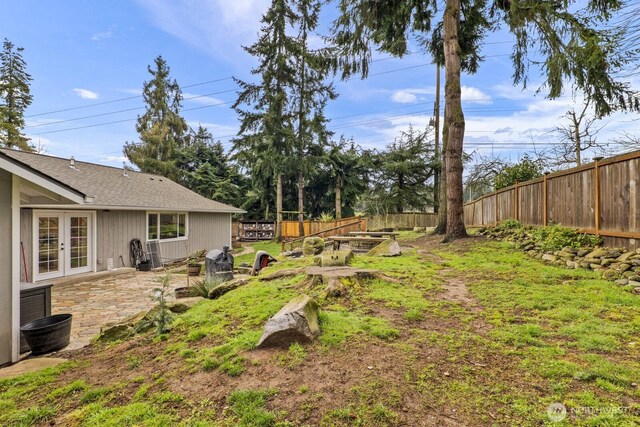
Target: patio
[{"x": 95, "y": 302}]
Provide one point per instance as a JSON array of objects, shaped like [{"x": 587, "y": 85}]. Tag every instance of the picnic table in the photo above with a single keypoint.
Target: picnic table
[
  {"x": 355, "y": 239},
  {"x": 390, "y": 234}
]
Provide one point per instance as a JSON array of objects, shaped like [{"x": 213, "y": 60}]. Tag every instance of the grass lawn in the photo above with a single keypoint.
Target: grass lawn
[{"x": 475, "y": 334}]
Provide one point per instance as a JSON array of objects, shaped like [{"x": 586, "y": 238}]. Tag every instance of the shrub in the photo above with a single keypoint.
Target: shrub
[{"x": 555, "y": 237}]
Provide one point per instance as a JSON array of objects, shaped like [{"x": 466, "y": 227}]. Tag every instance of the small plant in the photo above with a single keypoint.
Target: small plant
[
  {"x": 162, "y": 319},
  {"x": 326, "y": 217},
  {"x": 201, "y": 288},
  {"x": 133, "y": 361},
  {"x": 555, "y": 237}
]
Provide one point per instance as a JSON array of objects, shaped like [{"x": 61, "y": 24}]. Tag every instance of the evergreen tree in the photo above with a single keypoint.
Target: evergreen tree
[
  {"x": 310, "y": 96},
  {"x": 572, "y": 41},
  {"x": 265, "y": 142},
  {"x": 402, "y": 177},
  {"x": 206, "y": 169},
  {"x": 15, "y": 97},
  {"x": 161, "y": 128}
]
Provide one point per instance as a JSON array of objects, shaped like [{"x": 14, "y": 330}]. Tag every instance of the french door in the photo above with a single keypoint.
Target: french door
[{"x": 62, "y": 244}]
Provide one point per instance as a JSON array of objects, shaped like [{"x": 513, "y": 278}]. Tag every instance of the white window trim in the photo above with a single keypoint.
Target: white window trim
[{"x": 175, "y": 239}]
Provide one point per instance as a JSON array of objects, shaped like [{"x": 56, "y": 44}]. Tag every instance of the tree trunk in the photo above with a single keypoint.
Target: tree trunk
[
  {"x": 300, "y": 204},
  {"x": 338, "y": 197},
  {"x": 455, "y": 121},
  {"x": 438, "y": 168},
  {"x": 441, "y": 228},
  {"x": 279, "y": 208},
  {"x": 576, "y": 127}
]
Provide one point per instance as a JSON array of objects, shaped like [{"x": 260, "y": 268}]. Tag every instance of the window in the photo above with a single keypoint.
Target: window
[{"x": 166, "y": 225}]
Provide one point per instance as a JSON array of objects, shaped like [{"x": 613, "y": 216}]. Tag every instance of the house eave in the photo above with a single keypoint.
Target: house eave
[{"x": 130, "y": 208}]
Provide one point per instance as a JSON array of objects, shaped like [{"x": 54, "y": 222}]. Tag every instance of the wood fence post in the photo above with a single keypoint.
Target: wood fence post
[
  {"x": 515, "y": 202},
  {"x": 482, "y": 211},
  {"x": 495, "y": 207},
  {"x": 544, "y": 200},
  {"x": 596, "y": 170}
]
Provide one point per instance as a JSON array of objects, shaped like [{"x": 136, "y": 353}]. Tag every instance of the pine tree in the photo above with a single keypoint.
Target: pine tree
[
  {"x": 15, "y": 97},
  {"x": 265, "y": 140},
  {"x": 310, "y": 93},
  {"x": 161, "y": 128},
  {"x": 206, "y": 169}
]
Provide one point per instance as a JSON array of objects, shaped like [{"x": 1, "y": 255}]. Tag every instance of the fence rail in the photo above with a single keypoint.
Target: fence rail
[
  {"x": 598, "y": 198},
  {"x": 403, "y": 220}
]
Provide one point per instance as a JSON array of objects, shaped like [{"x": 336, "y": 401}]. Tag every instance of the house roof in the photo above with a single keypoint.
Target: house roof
[{"x": 107, "y": 187}]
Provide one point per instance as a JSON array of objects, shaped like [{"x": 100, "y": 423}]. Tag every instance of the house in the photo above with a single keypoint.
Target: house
[{"x": 60, "y": 217}]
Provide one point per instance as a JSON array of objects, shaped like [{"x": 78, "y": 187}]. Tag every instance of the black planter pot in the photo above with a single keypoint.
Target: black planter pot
[{"x": 48, "y": 334}]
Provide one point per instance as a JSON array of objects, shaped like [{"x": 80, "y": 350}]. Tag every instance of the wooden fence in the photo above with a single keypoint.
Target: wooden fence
[
  {"x": 290, "y": 229},
  {"x": 403, "y": 220},
  {"x": 599, "y": 198}
]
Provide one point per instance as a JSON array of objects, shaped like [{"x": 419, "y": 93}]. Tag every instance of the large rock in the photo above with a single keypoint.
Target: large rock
[
  {"x": 597, "y": 253},
  {"x": 336, "y": 258},
  {"x": 387, "y": 248},
  {"x": 312, "y": 246},
  {"x": 549, "y": 257},
  {"x": 183, "y": 304},
  {"x": 297, "y": 321}
]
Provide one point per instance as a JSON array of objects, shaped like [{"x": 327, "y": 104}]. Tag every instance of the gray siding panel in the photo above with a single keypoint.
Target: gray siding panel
[
  {"x": 5, "y": 267},
  {"x": 115, "y": 229},
  {"x": 26, "y": 237},
  {"x": 206, "y": 231}
]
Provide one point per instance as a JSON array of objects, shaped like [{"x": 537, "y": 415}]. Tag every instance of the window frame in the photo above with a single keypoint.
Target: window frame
[{"x": 171, "y": 239}]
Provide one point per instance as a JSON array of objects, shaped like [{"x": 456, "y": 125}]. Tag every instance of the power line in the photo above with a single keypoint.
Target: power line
[
  {"x": 125, "y": 110},
  {"x": 95, "y": 104}
]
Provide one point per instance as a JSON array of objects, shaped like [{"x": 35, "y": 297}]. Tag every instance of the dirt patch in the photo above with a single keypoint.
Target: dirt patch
[{"x": 455, "y": 290}]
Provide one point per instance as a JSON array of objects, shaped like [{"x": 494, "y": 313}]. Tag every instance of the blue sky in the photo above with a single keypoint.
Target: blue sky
[{"x": 89, "y": 61}]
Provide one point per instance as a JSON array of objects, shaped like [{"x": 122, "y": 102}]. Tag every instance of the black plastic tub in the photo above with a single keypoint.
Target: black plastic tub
[{"x": 48, "y": 334}]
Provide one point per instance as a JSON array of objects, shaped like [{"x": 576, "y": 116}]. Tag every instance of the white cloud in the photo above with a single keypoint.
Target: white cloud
[
  {"x": 217, "y": 27},
  {"x": 474, "y": 95},
  {"x": 85, "y": 93},
  {"x": 201, "y": 99},
  {"x": 102, "y": 36},
  {"x": 403, "y": 97}
]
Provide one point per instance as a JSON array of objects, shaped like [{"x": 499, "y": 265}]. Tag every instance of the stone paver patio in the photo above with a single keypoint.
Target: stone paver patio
[{"x": 96, "y": 302}]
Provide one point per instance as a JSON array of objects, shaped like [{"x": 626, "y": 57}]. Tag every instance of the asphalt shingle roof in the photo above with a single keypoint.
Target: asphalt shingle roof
[{"x": 110, "y": 188}]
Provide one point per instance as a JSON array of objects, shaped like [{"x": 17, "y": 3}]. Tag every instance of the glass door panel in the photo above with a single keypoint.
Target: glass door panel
[
  {"x": 77, "y": 242},
  {"x": 48, "y": 246}
]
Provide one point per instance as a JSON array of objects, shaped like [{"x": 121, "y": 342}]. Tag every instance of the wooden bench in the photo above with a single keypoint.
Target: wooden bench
[
  {"x": 354, "y": 239},
  {"x": 390, "y": 234}
]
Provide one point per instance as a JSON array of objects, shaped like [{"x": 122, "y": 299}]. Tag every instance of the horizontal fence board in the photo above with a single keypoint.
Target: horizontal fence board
[
  {"x": 402, "y": 220},
  {"x": 571, "y": 201}
]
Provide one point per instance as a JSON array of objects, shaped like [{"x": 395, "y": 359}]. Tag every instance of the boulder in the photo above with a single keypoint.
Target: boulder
[
  {"x": 549, "y": 257},
  {"x": 312, "y": 246},
  {"x": 223, "y": 288},
  {"x": 634, "y": 283},
  {"x": 582, "y": 252},
  {"x": 572, "y": 264},
  {"x": 636, "y": 290},
  {"x": 634, "y": 277},
  {"x": 336, "y": 258},
  {"x": 610, "y": 275},
  {"x": 620, "y": 267},
  {"x": 625, "y": 256},
  {"x": 606, "y": 262},
  {"x": 566, "y": 255},
  {"x": 597, "y": 253},
  {"x": 622, "y": 282},
  {"x": 595, "y": 266},
  {"x": 419, "y": 229},
  {"x": 115, "y": 332},
  {"x": 297, "y": 321},
  {"x": 387, "y": 248},
  {"x": 183, "y": 304},
  {"x": 570, "y": 250}
]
